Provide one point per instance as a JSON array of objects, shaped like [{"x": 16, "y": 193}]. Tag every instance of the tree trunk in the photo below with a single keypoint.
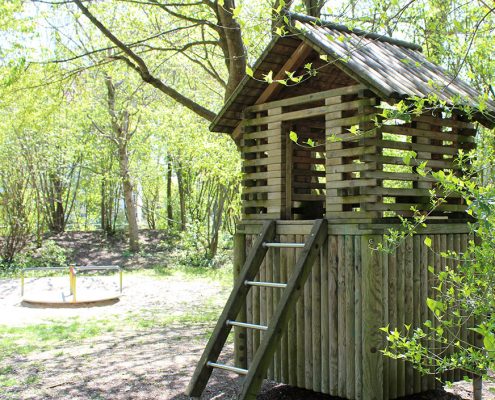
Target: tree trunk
[
  {"x": 313, "y": 7},
  {"x": 182, "y": 198},
  {"x": 170, "y": 214},
  {"x": 217, "y": 222},
  {"x": 128, "y": 199},
  {"x": 121, "y": 136}
]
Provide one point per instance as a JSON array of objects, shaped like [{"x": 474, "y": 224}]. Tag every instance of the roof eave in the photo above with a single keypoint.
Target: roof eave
[{"x": 214, "y": 124}]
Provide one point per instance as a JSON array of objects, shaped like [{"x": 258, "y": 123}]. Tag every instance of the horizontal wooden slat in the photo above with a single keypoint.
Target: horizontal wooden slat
[
  {"x": 446, "y": 164},
  {"x": 310, "y": 112},
  {"x": 397, "y": 176},
  {"x": 353, "y": 151},
  {"x": 261, "y": 148},
  {"x": 384, "y": 191},
  {"x": 444, "y": 122},
  {"x": 403, "y": 130},
  {"x": 349, "y": 121},
  {"x": 261, "y": 189},
  {"x": 351, "y": 183},
  {"x": 261, "y": 134},
  {"x": 407, "y": 207},
  {"x": 391, "y": 144},
  {"x": 307, "y": 98},
  {"x": 353, "y": 199}
]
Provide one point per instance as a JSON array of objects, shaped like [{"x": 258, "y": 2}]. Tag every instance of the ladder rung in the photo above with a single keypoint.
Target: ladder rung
[
  {"x": 266, "y": 284},
  {"x": 284, "y": 245},
  {"x": 239, "y": 371},
  {"x": 246, "y": 325}
]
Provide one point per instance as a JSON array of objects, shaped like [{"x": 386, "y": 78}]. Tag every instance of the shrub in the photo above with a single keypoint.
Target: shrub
[{"x": 50, "y": 254}]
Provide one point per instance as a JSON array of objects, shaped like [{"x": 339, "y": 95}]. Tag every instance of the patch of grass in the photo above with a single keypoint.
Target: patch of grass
[
  {"x": 26, "y": 339},
  {"x": 223, "y": 275},
  {"x": 7, "y": 377}
]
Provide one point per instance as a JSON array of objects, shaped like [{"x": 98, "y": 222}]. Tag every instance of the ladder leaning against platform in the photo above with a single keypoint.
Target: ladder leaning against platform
[{"x": 292, "y": 290}]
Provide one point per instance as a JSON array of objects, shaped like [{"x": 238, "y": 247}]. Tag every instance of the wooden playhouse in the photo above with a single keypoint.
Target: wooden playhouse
[{"x": 312, "y": 213}]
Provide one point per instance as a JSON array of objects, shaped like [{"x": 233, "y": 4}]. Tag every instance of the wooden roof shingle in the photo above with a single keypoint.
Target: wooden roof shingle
[{"x": 391, "y": 68}]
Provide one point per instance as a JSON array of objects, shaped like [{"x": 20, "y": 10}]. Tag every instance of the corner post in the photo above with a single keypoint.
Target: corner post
[
  {"x": 240, "y": 337},
  {"x": 371, "y": 261}
]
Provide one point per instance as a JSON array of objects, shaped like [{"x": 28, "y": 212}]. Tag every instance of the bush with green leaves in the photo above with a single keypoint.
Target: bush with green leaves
[
  {"x": 50, "y": 254},
  {"x": 465, "y": 291}
]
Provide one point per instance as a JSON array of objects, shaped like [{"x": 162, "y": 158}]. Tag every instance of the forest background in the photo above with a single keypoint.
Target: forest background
[{"x": 105, "y": 106}]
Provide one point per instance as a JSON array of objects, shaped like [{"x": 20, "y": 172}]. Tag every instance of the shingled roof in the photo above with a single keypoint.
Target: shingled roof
[{"x": 391, "y": 68}]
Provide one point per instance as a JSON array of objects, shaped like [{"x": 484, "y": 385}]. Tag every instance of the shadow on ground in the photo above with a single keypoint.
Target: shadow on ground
[{"x": 153, "y": 364}]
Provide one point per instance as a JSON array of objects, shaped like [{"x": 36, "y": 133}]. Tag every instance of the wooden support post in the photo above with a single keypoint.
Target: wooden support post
[
  {"x": 240, "y": 337},
  {"x": 372, "y": 388},
  {"x": 477, "y": 379}
]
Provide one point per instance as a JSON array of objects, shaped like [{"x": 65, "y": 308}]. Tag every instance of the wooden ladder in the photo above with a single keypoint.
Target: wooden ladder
[{"x": 293, "y": 289}]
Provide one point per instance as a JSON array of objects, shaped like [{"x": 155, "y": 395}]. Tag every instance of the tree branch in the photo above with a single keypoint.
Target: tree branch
[{"x": 142, "y": 68}]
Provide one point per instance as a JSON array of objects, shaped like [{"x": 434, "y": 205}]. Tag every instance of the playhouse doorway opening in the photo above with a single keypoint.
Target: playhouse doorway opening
[{"x": 305, "y": 169}]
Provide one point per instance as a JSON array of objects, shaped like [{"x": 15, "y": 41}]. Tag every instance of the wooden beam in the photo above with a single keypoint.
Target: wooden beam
[{"x": 293, "y": 63}]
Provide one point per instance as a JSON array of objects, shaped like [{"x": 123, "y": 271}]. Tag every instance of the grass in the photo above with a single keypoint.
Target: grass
[{"x": 27, "y": 339}]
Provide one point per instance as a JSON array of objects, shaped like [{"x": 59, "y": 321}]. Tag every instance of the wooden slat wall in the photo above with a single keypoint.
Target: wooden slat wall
[
  {"x": 332, "y": 343},
  {"x": 282, "y": 179},
  {"x": 397, "y": 187}
]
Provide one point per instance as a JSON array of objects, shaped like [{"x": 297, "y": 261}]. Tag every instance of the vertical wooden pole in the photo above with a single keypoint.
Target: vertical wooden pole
[
  {"x": 372, "y": 318},
  {"x": 300, "y": 329},
  {"x": 408, "y": 305},
  {"x": 401, "y": 371},
  {"x": 350, "y": 315},
  {"x": 386, "y": 321},
  {"x": 308, "y": 331},
  {"x": 333, "y": 367},
  {"x": 316, "y": 323},
  {"x": 392, "y": 311},
  {"x": 358, "y": 300},
  {"x": 240, "y": 338},
  {"x": 289, "y": 149},
  {"x": 325, "y": 317},
  {"x": 292, "y": 331},
  {"x": 417, "y": 305},
  {"x": 341, "y": 292},
  {"x": 275, "y": 276}
]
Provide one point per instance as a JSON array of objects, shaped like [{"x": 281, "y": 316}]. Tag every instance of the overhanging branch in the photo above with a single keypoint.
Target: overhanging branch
[{"x": 140, "y": 66}]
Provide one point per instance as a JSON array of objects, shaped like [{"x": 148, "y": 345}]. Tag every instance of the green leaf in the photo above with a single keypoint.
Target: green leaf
[
  {"x": 249, "y": 71},
  {"x": 310, "y": 142},
  {"x": 268, "y": 77},
  {"x": 427, "y": 241},
  {"x": 236, "y": 12},
  {"x": 436, "y": 306},
  {"x": 293, "y": 136},
  {"x": 489, "y": 341}
]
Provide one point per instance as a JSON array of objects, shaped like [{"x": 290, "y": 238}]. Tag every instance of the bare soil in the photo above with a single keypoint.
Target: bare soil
[{"x": 96, "y": 248}]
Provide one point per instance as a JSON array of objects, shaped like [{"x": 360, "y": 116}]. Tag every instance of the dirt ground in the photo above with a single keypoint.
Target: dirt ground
[{"x": 153, "y": 363}]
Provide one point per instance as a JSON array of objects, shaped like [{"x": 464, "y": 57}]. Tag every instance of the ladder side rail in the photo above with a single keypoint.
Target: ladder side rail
[
  {"x": 264, "y": 355},
  {"x": 232, "y": 308}
]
